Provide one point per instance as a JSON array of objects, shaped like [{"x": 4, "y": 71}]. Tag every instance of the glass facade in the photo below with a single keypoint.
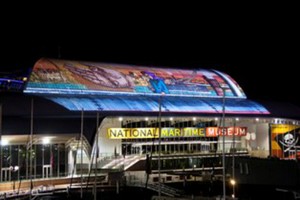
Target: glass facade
[
  {"x": 169, "y": 145},
  {"x": 48, "y": 160}
]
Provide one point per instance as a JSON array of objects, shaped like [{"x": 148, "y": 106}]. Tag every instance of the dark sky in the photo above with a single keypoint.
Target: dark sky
[{"x": 262, "y": 55}]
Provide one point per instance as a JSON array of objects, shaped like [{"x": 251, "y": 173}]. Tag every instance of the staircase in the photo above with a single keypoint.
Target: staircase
[
  {"x": 137, "y": 181},
  {"x": 120, "y": 162}
]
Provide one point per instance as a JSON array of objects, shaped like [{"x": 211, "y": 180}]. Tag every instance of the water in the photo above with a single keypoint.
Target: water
[{"x": 191, "y": 191}]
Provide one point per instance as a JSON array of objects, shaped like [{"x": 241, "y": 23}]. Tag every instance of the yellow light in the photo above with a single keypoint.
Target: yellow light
[{"x": 232, "y": 182}]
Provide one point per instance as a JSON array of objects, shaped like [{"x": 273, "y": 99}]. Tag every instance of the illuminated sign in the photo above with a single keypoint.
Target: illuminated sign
[
  {"x": 193, "y": 132},
  {"x": 135, "y": 133},
  {"x": 227, "y": 131},
  {"x": 127, "y": 133}
]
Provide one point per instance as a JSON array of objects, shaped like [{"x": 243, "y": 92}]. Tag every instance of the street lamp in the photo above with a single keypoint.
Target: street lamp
[
  {"x": 233, "y": 183},
  {"x": 223, "y": 144}
]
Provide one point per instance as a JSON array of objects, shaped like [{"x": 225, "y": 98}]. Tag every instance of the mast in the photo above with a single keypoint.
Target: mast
[
  {"x": 97, "y": 152},
  {"x": 81, "y": 155},
  {"x": 31, "y": 143},
  {"x": 1, "y": 141},
  {"x": 233, "y": 158},
  {"x": 223, "y": 144},
  {"x": 159, "y": 144}
]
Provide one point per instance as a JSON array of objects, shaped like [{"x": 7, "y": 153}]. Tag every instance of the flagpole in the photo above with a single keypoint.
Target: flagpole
[
  {"x": 31, "y": 143},
  {"x": 1, "y": 141},
  {"x": 159, "y": 145},
  {"x": 81, "y": 156},
  {"x": 96, "y": 164},
  {"x": 233, "y": 182},
  {"x": 223, "y": 142}
]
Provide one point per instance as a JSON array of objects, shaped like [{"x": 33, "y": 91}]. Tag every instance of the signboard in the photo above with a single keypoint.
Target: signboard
[
  {"x": 227, "y": 131},
  {"x": 285, "y": 140},
  {"x": 136, "y": 133}
]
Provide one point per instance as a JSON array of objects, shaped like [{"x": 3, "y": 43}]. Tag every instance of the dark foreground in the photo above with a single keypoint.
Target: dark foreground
[{"x": 191, "y": 191}]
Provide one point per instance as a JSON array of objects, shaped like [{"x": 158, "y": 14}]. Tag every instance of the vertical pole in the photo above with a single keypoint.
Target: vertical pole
[
  {"x": 278, "y": 149},
  {"x": 58, "y": 161},
  {"x": 96, "y": 159},
  {"x": 233, "y": 160},
  {"x": 81, "y": 155},
  {"x": 223, "y": 142},
  {"x": 31, "y": 143},
  {"x": 159, "y": 145},
  {"x": 19, "y": 159},
  {"x": 51, "y": 160},
  {"x": 294, "y": 127},
  {"x": 0, "y": 142},
  {"x": 34, "y": 174},
  {"x": 43, "y": 161}
]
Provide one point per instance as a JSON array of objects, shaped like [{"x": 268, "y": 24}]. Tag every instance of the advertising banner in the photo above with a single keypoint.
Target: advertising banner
[
  {"x": 64, "y": 76},
  {"x": 90, "y": 86},
  {"x": 285, "y": 140}
]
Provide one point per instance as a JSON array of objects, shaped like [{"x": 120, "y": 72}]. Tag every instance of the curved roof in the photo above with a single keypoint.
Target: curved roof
[
  {"x": 78, "y": 85},
  {"x": 79, "y": 77}
]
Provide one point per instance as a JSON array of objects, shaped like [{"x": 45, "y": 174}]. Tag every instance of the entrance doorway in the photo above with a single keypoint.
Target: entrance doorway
[{"x": 47, "y": 171}]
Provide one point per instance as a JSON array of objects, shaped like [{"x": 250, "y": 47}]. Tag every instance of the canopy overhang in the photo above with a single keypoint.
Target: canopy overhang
[{"x": 120, "y": 103}]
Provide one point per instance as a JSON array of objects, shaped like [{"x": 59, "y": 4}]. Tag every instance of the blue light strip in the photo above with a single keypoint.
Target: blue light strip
[
  {"x": 10, "y": 80},
  {"x": 150, "y": 104}
]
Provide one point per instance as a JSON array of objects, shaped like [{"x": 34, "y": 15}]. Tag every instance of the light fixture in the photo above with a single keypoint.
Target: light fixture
[
  {"x": 232, "y": 182},
  {"x": 4, "y": 142},
  {"x": 16, "y": 168},
  {"x": 120, "y": 119},
  {"x": 46, "y": 140}
]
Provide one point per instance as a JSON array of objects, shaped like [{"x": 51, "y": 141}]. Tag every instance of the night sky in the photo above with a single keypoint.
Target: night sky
[{"x": 261, "y": 55}]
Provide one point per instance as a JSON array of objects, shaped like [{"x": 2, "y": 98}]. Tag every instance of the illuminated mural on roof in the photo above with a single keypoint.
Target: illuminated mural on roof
[
  {"x": 78, "y": 85},
  {"x": 79, "y": 77}
]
